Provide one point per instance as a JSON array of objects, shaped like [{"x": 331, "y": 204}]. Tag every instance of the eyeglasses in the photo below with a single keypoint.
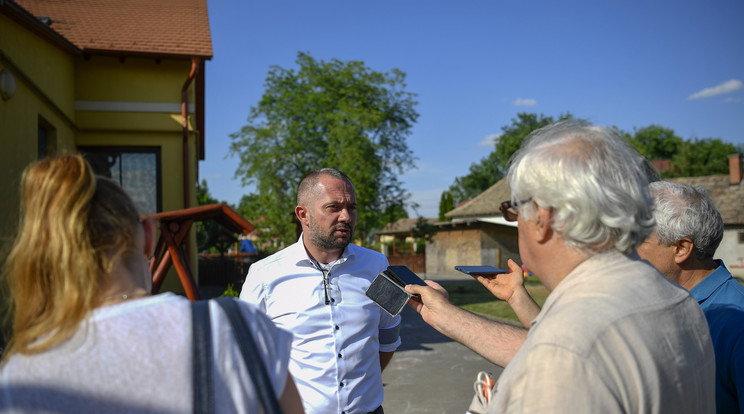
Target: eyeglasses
[{"x": 509, "y": 209}]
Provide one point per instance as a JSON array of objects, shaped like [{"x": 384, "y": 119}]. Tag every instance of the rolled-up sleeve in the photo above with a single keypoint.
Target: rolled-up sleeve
[{"x": 389, "y": 332}]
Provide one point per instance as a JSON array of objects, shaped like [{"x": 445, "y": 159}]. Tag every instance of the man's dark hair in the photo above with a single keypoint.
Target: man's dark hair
[{"x": 306, "y": 189}]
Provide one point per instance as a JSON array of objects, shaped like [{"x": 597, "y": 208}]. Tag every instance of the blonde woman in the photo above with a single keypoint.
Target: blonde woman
[{"x": 86, "y": 334}]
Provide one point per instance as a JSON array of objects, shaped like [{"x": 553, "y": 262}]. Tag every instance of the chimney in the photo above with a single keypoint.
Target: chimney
[{"x": 734, "y": 169}]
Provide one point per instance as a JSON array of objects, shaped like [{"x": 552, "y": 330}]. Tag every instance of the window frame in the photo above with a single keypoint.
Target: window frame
[{"x": 120, "y": 150}]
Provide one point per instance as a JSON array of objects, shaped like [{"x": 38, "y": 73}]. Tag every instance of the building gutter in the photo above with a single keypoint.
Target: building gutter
[{"x": 195, "y": 63}]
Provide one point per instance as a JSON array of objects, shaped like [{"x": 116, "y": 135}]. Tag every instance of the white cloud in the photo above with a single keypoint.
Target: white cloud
[
  {"x": 490, "y": 140},
  {"x": 726, "y": 87},
  {"x": 524, "y": 102},
  {"x": 731, "y": 99}
]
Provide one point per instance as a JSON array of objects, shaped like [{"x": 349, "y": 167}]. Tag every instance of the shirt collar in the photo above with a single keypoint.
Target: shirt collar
[
  {"x": 301, "y": 258},
  {"x": 710, "y": 283}
]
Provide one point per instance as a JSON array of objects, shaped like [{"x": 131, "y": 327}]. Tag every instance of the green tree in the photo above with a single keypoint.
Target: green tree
[
  {"x": 691, "y": 158},
  {"x": 492, "y": 168},
  {"x": 208, "y": 232},
  {"x": 696, "y": 158},
  {"x": 423, "y": 230},
  {"x": 327, "y": 114},
  {"x": 656, "y": 142},
  {"x": 446, "y": 204}
]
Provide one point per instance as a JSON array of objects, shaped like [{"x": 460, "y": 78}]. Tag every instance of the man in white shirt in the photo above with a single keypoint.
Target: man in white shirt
[
  {"x": 315, "y": 289},
  {"x": 614, "y": 336}
]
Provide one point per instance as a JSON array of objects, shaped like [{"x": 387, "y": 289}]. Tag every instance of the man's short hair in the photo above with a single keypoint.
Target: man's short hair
[
  {"x": 306, "y": 191},
  {"x": 681, "y": 211},
  {"x": 591, "y": 178}
]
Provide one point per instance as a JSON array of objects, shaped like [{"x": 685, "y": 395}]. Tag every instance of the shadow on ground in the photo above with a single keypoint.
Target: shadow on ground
[{"x": 430, "y": 373}]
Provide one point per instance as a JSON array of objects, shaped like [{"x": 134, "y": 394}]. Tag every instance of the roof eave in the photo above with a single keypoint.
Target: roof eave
[{"x": 23, "y": 17}]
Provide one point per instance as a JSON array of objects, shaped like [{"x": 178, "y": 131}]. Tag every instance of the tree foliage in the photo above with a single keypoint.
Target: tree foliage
[
  {"x": 208, "y": 232},
  {"x": 700, "y": 157},
  {"x": 686, "y": 158},
  {"x": 446, "y": 204},
  {"x": 656, "y": 142},
  {"x": 492, "y": 168},
  {"x": 691, "y": 158},
  {"x": 424, "y": 230},
  {"x": 327, "y": 114}
]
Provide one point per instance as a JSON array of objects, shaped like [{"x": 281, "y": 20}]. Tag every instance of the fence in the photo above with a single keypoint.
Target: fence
[{"x": 415, "y": 262}]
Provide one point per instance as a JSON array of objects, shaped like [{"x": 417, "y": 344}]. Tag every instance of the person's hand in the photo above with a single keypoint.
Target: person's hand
[
  {"x": 504, "y": 285},
  {"x": 433, "y": 301}
]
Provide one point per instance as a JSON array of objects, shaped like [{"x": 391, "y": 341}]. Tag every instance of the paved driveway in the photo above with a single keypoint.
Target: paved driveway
[{"x": 430, "y": 373}]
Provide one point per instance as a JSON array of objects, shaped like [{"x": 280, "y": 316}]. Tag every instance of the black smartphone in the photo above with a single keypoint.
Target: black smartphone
[
  {"x": 388, "y": 288},
  {"x": 480, "y": 270},
  {"x": 404, "y": 276}
]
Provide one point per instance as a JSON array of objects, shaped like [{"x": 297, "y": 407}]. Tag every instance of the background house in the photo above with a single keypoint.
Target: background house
[
  {"x": 120, "y": 81},
  {"x": 476, "y": 234},
  {"x": 398, "y": 242}
]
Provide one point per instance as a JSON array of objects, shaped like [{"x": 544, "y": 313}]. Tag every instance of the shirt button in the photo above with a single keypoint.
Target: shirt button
[
  {"x": 333, "y": 300},
  {"x": 340, "y": 384},
  {"x": 339, "y": 355},
  {"x": 337, "y": 327}
]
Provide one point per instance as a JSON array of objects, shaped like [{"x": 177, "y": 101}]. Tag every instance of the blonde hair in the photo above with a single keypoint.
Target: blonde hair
[{"x": 74, "y": 228}]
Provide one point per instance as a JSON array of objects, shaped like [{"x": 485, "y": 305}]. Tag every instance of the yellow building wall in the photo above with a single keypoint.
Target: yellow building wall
[
  {"x": 54, "y": 87},
  {"x": 44, "y": 90},
  {"x": 129, "y": 87}
]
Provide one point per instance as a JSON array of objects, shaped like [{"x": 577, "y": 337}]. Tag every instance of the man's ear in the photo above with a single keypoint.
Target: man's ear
[
  {"x": 543, "y": 223},
  {"x": 683, "y": 248},
  {"x": 302, "y": 215}
]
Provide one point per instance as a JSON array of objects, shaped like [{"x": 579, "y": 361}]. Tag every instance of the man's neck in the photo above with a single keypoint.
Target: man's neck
[
  {"x": 322, "y": 256},
  {"x": 694, "y": 272},
  {"x": 563, "y": 260}
]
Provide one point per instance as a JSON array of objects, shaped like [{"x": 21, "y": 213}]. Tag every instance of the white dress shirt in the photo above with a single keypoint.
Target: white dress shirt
[{"x": 335, "y": 352}]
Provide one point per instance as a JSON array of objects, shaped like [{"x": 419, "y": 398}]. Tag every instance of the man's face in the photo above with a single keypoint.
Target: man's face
[
  {"x": 660, "y": 256},
  {"x": 333, "y": 214}
]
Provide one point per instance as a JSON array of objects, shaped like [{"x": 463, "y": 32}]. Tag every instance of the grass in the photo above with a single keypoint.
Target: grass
[{"x": 474, "y": 297}]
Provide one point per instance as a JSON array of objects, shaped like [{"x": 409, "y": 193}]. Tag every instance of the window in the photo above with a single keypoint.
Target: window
[
  {"x": 137, "y": 169},
  {"x": 46, "y": 143},
  {"x": 741, "y": 237}
]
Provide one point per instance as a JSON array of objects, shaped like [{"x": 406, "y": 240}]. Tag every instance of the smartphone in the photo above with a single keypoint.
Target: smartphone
[
  {"x": 404, "y": 276},
  {"x": 480, "y": 270}
]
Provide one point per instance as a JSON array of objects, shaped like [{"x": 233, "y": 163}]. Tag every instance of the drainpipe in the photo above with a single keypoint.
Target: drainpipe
[{"x": 195, "y": 61}]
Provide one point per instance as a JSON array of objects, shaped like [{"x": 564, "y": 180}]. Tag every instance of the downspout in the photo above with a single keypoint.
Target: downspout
[{"x": 195, "y": 62}]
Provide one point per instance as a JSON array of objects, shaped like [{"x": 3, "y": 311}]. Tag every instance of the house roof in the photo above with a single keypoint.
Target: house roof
[
  {"x": 144, "y": 27},
  {"x": 729, "y": 198},
  {"x": 484, "y": 204},
  {"x": 403, "y": 226}
]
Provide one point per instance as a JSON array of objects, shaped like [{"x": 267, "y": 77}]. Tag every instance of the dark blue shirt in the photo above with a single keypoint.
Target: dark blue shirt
[{"x": 722, "y": 299}]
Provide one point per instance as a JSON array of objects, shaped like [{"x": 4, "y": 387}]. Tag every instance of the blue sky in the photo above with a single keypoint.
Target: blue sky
[{"x": 475, "y": 64}]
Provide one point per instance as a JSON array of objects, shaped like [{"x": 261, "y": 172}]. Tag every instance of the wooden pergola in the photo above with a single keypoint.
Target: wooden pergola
[{"x": 174, "y": 229}]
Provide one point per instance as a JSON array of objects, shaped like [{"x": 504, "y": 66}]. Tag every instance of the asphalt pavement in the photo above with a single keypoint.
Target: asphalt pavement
[{"x": 429, "y": 372}]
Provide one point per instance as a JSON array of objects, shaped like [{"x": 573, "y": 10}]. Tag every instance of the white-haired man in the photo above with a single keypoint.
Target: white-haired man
[
  {"x": 689, "y": 229},
  {"x": 610, "y": 337}
]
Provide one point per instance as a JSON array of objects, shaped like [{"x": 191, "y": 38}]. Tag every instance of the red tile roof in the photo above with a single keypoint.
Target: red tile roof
[{"x": 159, "y": 27}]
